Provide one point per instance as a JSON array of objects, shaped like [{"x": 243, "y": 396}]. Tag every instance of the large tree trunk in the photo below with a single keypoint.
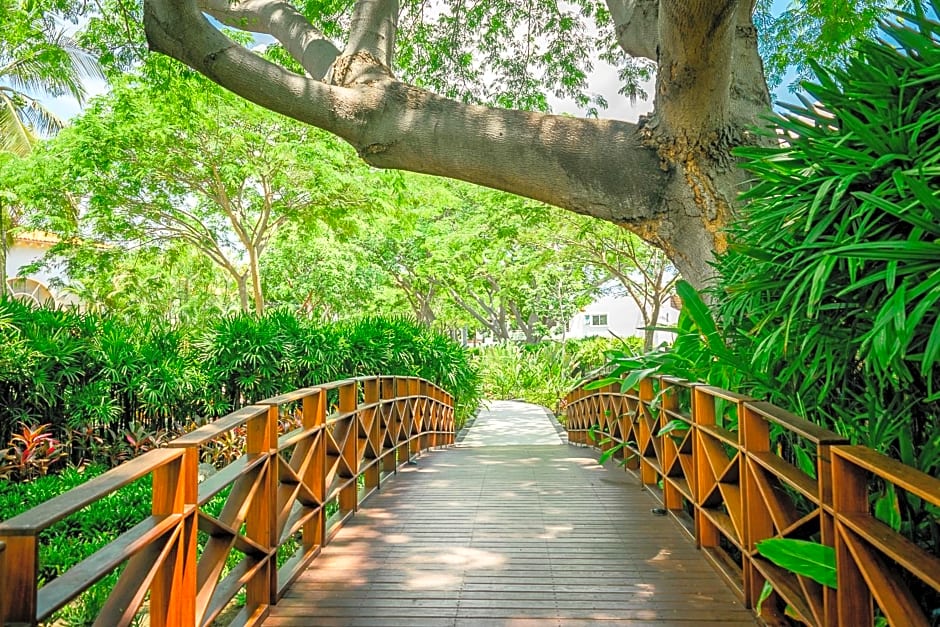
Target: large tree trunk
[{"x": 671, "y": 178}]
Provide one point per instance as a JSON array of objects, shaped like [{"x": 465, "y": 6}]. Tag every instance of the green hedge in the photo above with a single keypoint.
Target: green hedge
[
  {"x": 77, "y": 370},
  {"x": 543, "y": 373}
]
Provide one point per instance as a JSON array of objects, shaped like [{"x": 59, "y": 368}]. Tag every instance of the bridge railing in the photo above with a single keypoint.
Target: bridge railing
[
  {"x": 251, "y": 526},
  {"x": 735, "y": 471}
]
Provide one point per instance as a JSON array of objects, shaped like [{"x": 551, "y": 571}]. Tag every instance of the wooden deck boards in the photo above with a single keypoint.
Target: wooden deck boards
[{"x": 518, "y": 536}]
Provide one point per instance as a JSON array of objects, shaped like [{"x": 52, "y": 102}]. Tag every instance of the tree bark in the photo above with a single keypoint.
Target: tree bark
[
  {"x": 254, "y": 270},
  {"x": 671, "y": 178},
  {"x": 242, "y": 282},
  {"x": 649, "y": 334}
]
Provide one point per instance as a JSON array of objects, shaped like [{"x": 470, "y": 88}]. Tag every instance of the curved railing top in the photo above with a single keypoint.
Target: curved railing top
[
  {"x": 739, "y": 471},
  {"x": 302, "y": 463}
]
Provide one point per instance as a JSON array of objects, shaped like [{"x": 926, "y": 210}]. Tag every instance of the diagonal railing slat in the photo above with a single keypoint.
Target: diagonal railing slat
[{"x": 277, "y": 497}]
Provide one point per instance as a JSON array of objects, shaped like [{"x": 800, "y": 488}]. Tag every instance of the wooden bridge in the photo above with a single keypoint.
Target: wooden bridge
[{"x": 511, "y": 526}]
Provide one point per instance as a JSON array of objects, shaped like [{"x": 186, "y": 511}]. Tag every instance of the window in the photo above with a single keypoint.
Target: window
[
  {"x": 599, "y": 320},
  {"x": 29, "y": 291}
]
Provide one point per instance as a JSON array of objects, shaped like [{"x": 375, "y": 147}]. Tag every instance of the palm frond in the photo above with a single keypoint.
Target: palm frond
[{"x": 15, "y": 137}]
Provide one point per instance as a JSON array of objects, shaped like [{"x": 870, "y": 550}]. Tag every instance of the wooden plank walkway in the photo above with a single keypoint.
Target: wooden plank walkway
[{"x": 514, "y": 535}]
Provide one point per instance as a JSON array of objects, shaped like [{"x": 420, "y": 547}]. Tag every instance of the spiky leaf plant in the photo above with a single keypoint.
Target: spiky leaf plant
[{"x": 832, "y": 285}]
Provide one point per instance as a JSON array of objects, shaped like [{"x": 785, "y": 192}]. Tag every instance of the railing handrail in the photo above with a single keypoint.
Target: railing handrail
[
  {"x": 724, "y": 479},
  {"x": 281, "y": 484}
]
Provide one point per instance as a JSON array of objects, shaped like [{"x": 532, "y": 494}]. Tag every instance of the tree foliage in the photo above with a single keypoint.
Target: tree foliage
[
  {"x": 821, "y": 32},
  {"x": 186, "y": 161},
  {"x": 38, "y": 60}
]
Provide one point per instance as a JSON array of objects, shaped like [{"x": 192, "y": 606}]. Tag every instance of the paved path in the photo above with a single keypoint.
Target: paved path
[
  {"x": 536, "y": 535},
  {"x": 512, "y": 423}
]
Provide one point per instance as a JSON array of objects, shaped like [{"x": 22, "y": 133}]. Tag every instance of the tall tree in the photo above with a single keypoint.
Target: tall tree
[
  {"x": 504, "y": 276},
  {"x": 671, "y": 178},
  {"x": 467, "y": 256},
  {"x": 171, "y": 281},
  {"x": 185, "y": 160},
  {"x": 319, "y": 272}
]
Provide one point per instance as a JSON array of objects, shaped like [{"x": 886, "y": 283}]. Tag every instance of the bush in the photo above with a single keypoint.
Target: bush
[
  {"x": 543, "y": 373},
  {"x": 833, "y": 286},
  {"x": 78, "y": 371}
]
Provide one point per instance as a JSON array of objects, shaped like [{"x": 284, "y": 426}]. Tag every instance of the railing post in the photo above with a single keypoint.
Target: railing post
[
  {"x": 393, "y": 425},
  {"x": 313, "y": 416},
  {"x": 648, "y": 430},
  {"x": 849, "y": 491},
  {"x": 754, "y": 437},
  {"x": 373, "y": 433},
  {"x": 173, "y": 591},
  {"x": 416, "y": 420},
  {"x": 19, "y": 586},
  {"x": 450, "y": 415},
  {"x": 3, "y": 577},
  {"x": 261, "y": 522},
  {"x": 703, "y": 413},
  {"x": 576, "y": 416},
  {"x": 349, "y": 404},
  {"x": 827, "y": 533},
  {"x": 425, "y": 411},
  {"x": 672, "y": 497}
]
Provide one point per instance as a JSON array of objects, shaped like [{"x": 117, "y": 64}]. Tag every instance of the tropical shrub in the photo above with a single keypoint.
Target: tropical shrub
[
  {"x": 74, "y": 370},
  {"x": 32, "y": 453},
  {"x": 543, "y": 373},
  {"x": 832, "y": 286},
  {"x": 828, "y": 299},
  {"x": 116, "y": 386},
  {"x": 253, "y": 358}
]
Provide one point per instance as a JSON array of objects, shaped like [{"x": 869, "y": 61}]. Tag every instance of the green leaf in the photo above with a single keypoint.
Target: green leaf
[
  {"x": 887, "y": 509},
  {"x": 809, "y": 559},
  {"x": 601, "y": 383},
  {"x": 606, "y": 455},
  {"x": 673, "y": 426},
  {"x": 765, "y": 592},
  {"x": 633, "y": 379}
]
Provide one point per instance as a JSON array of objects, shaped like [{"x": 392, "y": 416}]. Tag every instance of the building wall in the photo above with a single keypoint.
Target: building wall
[
  {"x": 623, "y": 319},
  {"x": 24, "y": 252}
]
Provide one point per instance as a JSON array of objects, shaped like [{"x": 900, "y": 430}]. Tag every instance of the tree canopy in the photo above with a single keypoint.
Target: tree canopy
[{"x": 196, "y": 164}]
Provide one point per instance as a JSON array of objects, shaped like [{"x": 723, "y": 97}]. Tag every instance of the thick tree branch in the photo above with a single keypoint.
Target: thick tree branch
[
  {"x": 371, "y": 41},
  {"x": 594, "y": 167},
  {"x": 694, "y": 79},
  {"x": 637, "y": 26},
  {"x": 178, "y": 28},
  {"x": 307, "y": 45}
]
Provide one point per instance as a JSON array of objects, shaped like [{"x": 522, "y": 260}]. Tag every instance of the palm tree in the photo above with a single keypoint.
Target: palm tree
[
  {"x": 36, "y": 67},
  {"x": 37, "y": 61}
]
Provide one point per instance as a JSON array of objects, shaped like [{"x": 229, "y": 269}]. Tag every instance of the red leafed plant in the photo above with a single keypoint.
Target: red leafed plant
[{"x": 32, "y": 452}]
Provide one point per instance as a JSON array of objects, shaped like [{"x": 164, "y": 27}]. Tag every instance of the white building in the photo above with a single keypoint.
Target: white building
[
  {"x": 616, "y": 314},
  {"x": 38, "y": 286}
]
